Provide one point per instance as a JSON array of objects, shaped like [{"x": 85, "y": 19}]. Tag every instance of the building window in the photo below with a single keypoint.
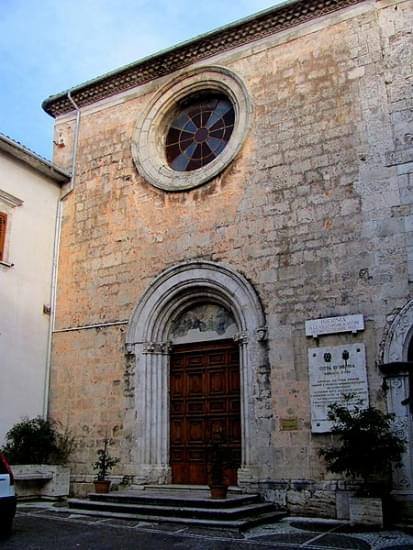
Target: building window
[
  {"x": 8, "y": 203},
  {"x": 199, "y": 132},
  {"x": 3, "y": 227},
  {"x": 192, "y": 129}
]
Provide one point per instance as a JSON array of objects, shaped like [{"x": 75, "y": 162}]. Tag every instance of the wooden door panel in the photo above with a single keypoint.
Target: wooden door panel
[
  {"x": 195, "y": 406},
  {"x": 204, "y": 396},
  {"x": 217, "y": 358},
  {"x": 195, "y": 383},
  {"x": 196, "y": 473},
  {"x": 217, "y": 405},
  {"x": 195, "y": 431},
  {"x": 217, "y": 383},
  {"x": 233, "y": 405},
  {"x": 195, "y": 359},
  {"x": 233, "y": 381},
  {"x": 177, "y": 431},
  {"x": 177, "y": 407},
  {"x": 234, "y": 429}
]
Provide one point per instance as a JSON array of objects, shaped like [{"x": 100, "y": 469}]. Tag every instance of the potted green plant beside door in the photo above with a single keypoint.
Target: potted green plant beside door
[
  {"x": 103, "y": 465},
  {"x": 218, "y": 460}
]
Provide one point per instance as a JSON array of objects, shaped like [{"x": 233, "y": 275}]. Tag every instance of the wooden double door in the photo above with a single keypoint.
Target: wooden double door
[{"x": 204, "y": 410}]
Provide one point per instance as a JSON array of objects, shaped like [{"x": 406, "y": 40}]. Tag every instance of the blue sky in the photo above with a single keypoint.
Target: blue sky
[{"x": 48, "y": 46}]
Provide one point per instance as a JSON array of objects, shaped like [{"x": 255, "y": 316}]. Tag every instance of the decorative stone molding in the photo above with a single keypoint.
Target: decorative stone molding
[
  {"x": 129, "y": 349},
  {"x": 172, "y": 292},
  {"x": 9, "y": 199},
  {"x": 262, "y": 334},
  {"x": 396, "y": 370},
  {"x": 157, "y": 347},
  {"x": 274, "y": 20},
  {"x": 396, "y": 341},
  {"x": 241, "y": 338},
  {"x": 148, "y": 148},
  {"x": 397, "y": 394}
]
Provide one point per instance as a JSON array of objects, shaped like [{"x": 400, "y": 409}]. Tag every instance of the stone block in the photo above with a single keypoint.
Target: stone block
[
  {"x": 41, "y": 480},
  {"x": 366, "y": 511}
]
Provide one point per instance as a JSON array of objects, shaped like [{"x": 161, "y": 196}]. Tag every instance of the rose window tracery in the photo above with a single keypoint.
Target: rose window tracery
[{"x": 199, "y": 133}]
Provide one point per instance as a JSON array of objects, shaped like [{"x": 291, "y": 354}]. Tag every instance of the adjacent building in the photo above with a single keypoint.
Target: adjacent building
[{"x": 30, "y": 189}]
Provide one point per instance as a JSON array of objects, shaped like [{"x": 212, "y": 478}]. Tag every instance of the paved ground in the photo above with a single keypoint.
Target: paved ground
[{"x": 41, "y": 526}]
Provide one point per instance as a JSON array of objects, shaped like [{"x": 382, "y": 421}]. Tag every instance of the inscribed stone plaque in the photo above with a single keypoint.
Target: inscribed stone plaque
[
  {"x": 336, "y": 372},
  {"x": 334, "y": 325}
]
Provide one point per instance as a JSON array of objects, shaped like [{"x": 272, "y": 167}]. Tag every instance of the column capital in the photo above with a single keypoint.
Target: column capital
[
  {"x": 241, "y": 337},
  {"x": 160, "y": 348}
]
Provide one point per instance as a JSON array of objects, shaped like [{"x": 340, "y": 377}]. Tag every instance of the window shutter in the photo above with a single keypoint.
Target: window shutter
[{"x": 3, "y": 224}]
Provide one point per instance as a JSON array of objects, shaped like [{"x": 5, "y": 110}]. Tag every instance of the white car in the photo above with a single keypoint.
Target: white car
[{"x": 7, "y": 497}]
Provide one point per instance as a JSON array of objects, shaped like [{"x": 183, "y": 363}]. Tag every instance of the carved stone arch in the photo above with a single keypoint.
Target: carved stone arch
[
  {"x": 398, "y": 377},
  {"x": 173, "y": 291},
  {"x": 397, "y": 339}
]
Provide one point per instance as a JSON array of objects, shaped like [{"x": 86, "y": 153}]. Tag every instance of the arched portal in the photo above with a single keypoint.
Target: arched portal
[
  {"x": 398, "y": 370},
  {"x": 397, "y": 340},
  {"x": 173, "y": 292}
]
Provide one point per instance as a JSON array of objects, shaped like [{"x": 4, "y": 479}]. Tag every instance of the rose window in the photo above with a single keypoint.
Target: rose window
[{"x": 199, "y": 133}]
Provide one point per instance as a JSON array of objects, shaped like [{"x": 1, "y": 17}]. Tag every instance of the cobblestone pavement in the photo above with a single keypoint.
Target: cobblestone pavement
[{"x": 47, "y": 526}]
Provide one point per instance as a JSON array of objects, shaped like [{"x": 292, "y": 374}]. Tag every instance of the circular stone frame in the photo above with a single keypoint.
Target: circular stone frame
[{"x": 148, "y": 141}]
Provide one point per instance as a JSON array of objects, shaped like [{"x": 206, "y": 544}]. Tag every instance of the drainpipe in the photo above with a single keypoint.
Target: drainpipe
[
  {"x": 55, "y": 262},
  {"x": 75, "y": 145}
]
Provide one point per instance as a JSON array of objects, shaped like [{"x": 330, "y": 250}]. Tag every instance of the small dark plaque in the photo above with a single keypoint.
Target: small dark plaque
[{"x": 288, "y": 424}]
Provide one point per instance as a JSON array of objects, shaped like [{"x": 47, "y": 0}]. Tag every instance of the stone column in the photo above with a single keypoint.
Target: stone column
[
  {"x": 251, "y": 354},
  {"x": 397, "y": 394},
  {"x": 152, "y": 429}
]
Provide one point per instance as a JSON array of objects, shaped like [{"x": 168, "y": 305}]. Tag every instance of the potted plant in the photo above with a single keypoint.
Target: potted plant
[
  {"x": 103, "y": 465},
  {"x": 217, "y": 461},
  {"x": 365, "y": 451}
]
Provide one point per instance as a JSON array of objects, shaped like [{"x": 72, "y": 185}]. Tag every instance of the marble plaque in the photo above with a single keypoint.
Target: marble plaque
[
  {"x": 336, "y": 372},
  {"x": 334, "y": 325}
]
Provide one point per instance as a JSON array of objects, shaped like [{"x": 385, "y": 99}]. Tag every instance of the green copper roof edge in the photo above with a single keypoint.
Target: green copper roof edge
[{"x": 160, "y": 53}]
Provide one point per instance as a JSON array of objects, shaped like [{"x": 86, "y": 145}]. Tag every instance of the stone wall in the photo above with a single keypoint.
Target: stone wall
[{"x": 315, "y": 212}]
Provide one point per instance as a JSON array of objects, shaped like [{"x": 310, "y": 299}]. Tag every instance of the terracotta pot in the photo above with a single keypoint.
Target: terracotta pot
[
  {"x": 218, "y": 491},
  {"x": 102, "y": 486}
]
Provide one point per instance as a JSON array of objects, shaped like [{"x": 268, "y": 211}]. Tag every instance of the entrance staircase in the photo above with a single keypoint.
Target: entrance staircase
[{"x": 181, "y": 504}]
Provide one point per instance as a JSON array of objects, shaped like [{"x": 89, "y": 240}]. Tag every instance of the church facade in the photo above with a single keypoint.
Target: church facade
[{"x": 236, "y": 249}]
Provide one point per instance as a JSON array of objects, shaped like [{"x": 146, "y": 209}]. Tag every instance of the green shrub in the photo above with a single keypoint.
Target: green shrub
[
  {"x": 105, "y": 461},
  {"x": 367, "y": 445},
  {"x": 37, "y": 441}
]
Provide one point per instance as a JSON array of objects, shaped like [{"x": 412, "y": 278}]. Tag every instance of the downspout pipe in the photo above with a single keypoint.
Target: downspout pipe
[
  {"x": 75, "y": 146},
  {"x": 55, "y": 261}
]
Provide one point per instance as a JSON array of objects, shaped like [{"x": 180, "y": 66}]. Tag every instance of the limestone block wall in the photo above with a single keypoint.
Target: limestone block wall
[{"x": 315, "y": 212}]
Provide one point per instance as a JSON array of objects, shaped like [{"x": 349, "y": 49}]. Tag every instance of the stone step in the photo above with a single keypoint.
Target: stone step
[
  {"x": 164, "y": 498},
  {"x": 237, "y": 524},
  {"x": 176, "y": 488},
  {"x": 168, "y": 511},
  {"x": 180, "y": 504}
]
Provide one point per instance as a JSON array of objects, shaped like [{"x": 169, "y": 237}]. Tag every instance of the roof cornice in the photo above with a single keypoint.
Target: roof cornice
[
  {"x": 40, "y": 164},
  {"x": 241, "y": 32}
]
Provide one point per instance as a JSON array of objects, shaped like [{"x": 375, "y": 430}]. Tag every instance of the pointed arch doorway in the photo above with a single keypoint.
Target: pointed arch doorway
[{"x": 152, "y": 341}]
